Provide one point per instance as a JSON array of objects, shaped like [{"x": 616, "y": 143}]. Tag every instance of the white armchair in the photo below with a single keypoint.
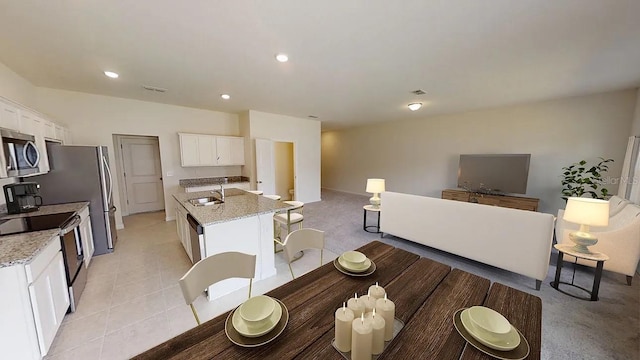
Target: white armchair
[{"x": 620, "y": 240}]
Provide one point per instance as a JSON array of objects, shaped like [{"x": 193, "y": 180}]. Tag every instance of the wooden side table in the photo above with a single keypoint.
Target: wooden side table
[
  {"x": 366, "y": 227},
  {"x": 598, "y": 257}
]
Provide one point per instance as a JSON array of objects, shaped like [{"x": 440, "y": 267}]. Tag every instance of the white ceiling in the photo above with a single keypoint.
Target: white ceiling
[{"x": 351, "y": 62}]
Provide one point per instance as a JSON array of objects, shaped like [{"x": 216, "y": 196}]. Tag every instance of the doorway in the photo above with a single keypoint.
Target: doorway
[
  {"x": 284, "y": 170},
  {"x": 140, "y": 171},
  {"x": 275, "y": 168}
]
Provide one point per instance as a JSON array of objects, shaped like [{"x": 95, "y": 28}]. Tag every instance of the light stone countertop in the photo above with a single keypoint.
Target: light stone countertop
[
  {"x": 238, "y": 204},
  {"x": 22, "y": 248},
  {"x": 48, "y": 210},
  {"x": 188, "y": 183}
]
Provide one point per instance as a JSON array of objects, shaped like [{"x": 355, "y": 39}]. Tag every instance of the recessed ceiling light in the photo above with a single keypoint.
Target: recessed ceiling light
[
  {"x": 225, "y": 96},
  {"x": 282, "y": 57},
  {"x": 111, "y": 74},
  {"x": 415, "y": 106}
]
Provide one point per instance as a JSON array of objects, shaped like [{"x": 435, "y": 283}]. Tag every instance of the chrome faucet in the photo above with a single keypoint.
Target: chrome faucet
[{"x": 221, "y": 192}]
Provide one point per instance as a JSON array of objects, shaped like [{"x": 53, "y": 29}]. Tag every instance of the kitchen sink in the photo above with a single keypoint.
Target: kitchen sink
[{"x": 205, "y": 201}]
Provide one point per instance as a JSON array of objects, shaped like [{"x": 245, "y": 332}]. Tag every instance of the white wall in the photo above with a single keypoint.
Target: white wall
[
  {"x": 421, "y": 157},
  {"x": 304, "y": 134},
  {"x": 15, "y": 87},
  {"x": 93, "y": 119}
]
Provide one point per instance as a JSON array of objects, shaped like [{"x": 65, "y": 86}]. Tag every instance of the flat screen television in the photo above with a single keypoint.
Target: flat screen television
[{"x": 494, "y": 173}]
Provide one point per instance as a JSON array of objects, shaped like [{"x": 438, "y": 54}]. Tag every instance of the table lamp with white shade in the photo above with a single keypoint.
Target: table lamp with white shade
[
  {"x": 375, "y": 186},
  {"x": 586, "y": 212}
]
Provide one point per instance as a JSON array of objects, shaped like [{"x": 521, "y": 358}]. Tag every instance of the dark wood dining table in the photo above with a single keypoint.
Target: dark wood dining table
[{"x": 426, "y": 293}]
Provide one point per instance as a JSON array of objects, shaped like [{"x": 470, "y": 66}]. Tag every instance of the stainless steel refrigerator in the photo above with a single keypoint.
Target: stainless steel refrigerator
[{"x": 81, "y": 173}]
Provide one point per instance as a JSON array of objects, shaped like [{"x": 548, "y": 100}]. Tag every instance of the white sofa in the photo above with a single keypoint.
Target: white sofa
[
  {"x": 514, "y": 240},
  {"x": 620, "y": 240}
]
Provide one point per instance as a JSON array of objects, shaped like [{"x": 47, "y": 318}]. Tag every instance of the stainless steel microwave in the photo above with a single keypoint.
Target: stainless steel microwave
[{"x": 20, "y": 155}]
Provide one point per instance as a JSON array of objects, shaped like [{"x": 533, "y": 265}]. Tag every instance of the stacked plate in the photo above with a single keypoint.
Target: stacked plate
[
  {"x": 490, "y": 328},
  {"x": 354, "y": 261},
  {"x": 256, "y": 316}
]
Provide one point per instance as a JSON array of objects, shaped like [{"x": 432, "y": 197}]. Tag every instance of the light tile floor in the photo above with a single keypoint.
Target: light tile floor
[{"x": 132, "y": 300}]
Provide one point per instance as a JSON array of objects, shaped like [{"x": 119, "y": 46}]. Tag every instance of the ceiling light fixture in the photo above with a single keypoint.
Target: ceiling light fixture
[
  {"x": 225, "y": 96},
  {"x": 111, "y": 74},
  {"x": 415, "y": 106},
  {"x": 282, "y": 57}
]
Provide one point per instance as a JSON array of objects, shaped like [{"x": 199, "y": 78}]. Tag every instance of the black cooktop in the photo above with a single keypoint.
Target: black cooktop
[{"x": 34, "y": 223}]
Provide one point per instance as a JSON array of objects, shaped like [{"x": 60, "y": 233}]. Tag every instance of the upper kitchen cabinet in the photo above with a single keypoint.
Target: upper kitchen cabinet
[
  {"x": 9, "y": 117},
  {"x": 49, "y": 130},
  {"x": 68, "y": 138},
  {"x": 230, "y": 150},
  {"x": 211, "y": 150},
  {"x": 196, "y": 150},
  {"x": 59, "y": 132}
]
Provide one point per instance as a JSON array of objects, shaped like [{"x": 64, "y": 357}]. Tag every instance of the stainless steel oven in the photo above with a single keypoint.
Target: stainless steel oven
[
  {"x": 73, "y": 256},
  {"x": 71, "y": 241}
]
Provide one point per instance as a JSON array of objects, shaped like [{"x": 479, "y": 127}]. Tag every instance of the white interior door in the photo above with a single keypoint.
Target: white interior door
[
  {"x": 143, "y": 174},
  {"x": 265, "y": 179}
]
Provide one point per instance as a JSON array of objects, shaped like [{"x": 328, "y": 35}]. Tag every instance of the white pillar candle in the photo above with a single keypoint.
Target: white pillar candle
[
  {"x": 356, "y": 305},
  {"x": 361, "y": 338},
  {"x": 376, "y": 291},
  {"x": 344, "y": 318},
  {"x": 369, "y": 303},
  {"x": 387, "y": 309},
  {"x": 378, "y": 326}
]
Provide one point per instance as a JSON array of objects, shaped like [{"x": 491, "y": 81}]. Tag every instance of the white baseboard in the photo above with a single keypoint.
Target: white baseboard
[{"x": 169, "y": 218}]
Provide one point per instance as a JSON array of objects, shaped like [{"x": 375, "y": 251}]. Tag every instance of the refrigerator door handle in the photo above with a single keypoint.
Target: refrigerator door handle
[{"x": 106, "y": 166}]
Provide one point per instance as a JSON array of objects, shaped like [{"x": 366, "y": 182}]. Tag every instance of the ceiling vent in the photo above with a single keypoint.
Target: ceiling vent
[
  {"x": 418, "y": 92},
  {"x": 154, "y": 88}
]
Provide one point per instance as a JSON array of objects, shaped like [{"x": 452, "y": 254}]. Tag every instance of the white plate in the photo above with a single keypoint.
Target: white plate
[
  {"x": 241, "y": 326},
  {"x": 511, "y": 339},
  {"x": 355, "y": 268}
]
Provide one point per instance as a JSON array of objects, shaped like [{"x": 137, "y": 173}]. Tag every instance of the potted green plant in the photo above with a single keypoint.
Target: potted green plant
[{"x": 579, "y": 179}]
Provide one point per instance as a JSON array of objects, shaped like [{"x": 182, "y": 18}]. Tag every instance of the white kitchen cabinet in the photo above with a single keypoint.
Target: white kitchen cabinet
[
  {"x": 26, "y": 122},
  {"x": 211, "y": 150},
  {"x": 49, "y": 300},
  {"x": 58, "y": 132},
  {"x": 182, "y": 226},
  {"x": 9, "y": 118},
  {"x": 34, "y": 300},
  {"x": 86, "y": 235},
  {"x": 49, "y": 129},
  {"x": 230, "y": 150},
  {"x": 197, "y": 150},
  {"x": 68, "y": 137}
]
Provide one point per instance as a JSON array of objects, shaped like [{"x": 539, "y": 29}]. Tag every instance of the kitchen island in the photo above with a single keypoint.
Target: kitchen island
[{"x": 243, "y": 223}]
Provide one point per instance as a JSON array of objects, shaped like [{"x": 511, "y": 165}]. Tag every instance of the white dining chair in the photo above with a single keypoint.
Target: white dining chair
[
  {"x": 302, "y": 239},
  {"x": 212, "y": 269},
  {"x": 286, "y": 219}
]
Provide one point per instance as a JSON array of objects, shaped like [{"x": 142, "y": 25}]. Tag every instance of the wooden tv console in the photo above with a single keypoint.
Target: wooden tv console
[{"x": 508, "y": 201}]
